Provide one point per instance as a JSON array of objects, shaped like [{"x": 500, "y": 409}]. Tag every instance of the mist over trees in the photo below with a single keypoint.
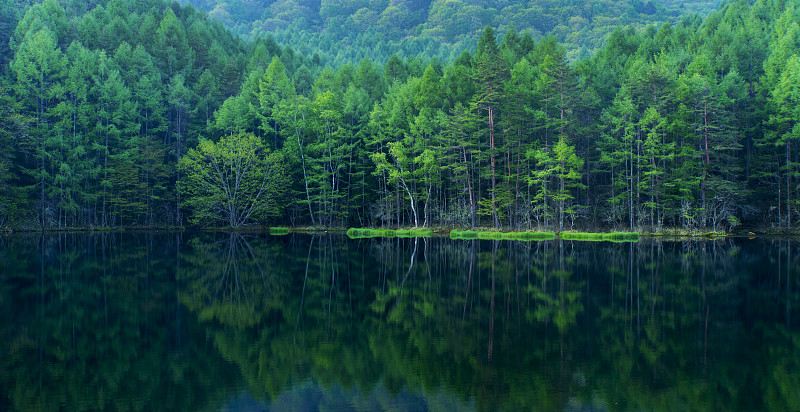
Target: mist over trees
[{"x": 690, "y": 125}]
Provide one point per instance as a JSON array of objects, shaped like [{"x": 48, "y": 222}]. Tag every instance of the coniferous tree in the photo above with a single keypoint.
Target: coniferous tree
[
  {"x": 490, "y": 74},
  {"x": 38, "y": 67}
]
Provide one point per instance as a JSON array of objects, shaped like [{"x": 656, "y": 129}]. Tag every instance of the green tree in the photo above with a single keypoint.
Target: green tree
[
  {"x": 15, "y": 123},
  {"x": 295, "y": 118},
  {"x": 490, "y": 73},
  {"x": 560, "y": 166},
  {"x": 462, "y": 149},
  {"x": 181, "y": 98},
  {"x": 329, "y": 153},
  {"x": 616, "y": 153},
  {"x": 656, "y": 152},
  {"x": 115, "y": 126},
  {"x": 273, "y": 87},
  {"x": 567, "y": 171},
  {"x": 399, "y": 171},
  {"x": 784, "y": 127},
  {"x": 234, "y": 181},
  {"x": 173, "y": 49},
  {"x": 38, "y": 67}
]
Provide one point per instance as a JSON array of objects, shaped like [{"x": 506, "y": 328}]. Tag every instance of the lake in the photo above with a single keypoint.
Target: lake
[{"x": 252, "y": 322}]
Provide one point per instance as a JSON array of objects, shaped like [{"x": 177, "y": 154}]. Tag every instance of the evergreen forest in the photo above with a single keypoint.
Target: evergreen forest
[
  {"x": 349, "y": 30},
  {"x": 123, "y": 113}
]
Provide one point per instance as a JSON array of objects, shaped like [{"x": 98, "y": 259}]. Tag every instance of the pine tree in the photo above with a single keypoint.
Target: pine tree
[
  {"x": 518, "y": 125},
  {"x": 295, "y": 119},
  {"x": 656, "y": 153},
  {"x": 39, "y": 70},
  {"x": 490, "y": 74},
  {"x": 14, "y": 123},
  {"x": 181, "y": 98},
  {"x": 115, "y": 125},
  {"x": 273, "y": 87},
  {"x": 784, "y": 127},
  {"x": 617, "y": 153},
  {"x": 460, "y": 123}
]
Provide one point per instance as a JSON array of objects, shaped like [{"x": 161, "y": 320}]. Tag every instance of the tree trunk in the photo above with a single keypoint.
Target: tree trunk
[
  {"x": 562, "y": 191},
  {"x": 494, "y": 182},
  {"x": 305, "y": 177},
  {"x": 469, "y": 186},
  {"x": 413, "y": 207},
  {"x": 178, "y": 173},
  {"x": 788, "y": 186},
  {"x": 105, "y": 179}
]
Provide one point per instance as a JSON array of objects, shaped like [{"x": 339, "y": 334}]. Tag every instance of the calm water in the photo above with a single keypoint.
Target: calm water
[{"x": 220, "y": 322}]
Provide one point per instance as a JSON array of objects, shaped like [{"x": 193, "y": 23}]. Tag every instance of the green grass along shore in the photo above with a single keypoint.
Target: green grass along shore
[
  {"x": 365, "y": 233},
  {"x": 279, "y": 231},
  {"x": 356, "y": 233},
  {"x": 526, "y": 236},
  {"x": 600, "y": 237}
]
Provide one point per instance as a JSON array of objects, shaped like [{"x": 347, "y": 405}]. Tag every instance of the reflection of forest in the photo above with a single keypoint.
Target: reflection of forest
[
  {"x": 130, "y": 321},
  {"x": 93, "y": 323}
]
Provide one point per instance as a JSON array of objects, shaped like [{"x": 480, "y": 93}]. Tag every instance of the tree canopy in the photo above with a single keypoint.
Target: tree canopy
[
  {"x": 235, "y": 180},
  {"x": 690, "y": 124}
]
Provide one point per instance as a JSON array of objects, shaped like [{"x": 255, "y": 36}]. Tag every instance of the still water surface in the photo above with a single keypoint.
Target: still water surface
[{"x": 229, "y": 322}]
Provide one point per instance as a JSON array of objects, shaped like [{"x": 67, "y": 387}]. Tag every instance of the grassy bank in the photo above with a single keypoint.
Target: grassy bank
[
  {"x": 601, "y": 237},
  {"x": 413, "y": 233},
  {"x": 363, "y": 233},
  {"x": 692, "y": 233},
  {"x": 359, "y": 233},
  {"x": 476, "y": 234},
  {"x": 279, "y": 231},
  {"x": 530, "y": 236}
]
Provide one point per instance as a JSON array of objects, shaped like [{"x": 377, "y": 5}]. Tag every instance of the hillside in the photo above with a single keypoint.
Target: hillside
[{"x": 438, "y": 27}]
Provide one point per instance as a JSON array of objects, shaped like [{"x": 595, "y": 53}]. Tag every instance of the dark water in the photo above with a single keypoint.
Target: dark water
[{"x": 220, "y": 322}]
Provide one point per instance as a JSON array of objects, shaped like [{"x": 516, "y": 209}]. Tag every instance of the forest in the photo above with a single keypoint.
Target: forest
[
  {"x": 353, "y": 29},
  {"x": 150, "y": 114}
]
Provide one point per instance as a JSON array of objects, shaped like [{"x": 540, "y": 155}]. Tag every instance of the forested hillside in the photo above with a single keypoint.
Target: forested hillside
[
  {"x": 144, "y": 113},
  {"x": 347, "y": 31}
]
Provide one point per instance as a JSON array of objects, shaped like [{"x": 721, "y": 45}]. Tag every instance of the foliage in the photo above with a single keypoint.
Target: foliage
[
  {"x": 691, "y": 124},
  {"x": 235, "y": 180},
  {"x": 344, "y": 32}
]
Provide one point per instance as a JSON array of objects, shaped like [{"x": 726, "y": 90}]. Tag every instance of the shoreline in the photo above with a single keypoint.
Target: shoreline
[{"x": 476, "y": 233}]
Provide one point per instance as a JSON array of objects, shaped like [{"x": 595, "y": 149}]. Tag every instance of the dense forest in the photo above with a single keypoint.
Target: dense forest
[
  {"x": 347, "y": 31},
  {"x": 143, "y": 113}
]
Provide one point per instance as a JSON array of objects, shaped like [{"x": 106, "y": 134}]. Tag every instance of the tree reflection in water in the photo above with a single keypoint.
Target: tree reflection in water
[
  {"x": 91, "y": 322},
  {"x": 133, "y": 321},
  {"x": 228, "y": 280}
]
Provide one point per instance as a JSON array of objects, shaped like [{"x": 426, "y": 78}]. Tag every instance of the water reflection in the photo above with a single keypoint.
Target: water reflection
[
  {"x": 93, "y": 323},
  {"x": 237, "y": 322}
]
